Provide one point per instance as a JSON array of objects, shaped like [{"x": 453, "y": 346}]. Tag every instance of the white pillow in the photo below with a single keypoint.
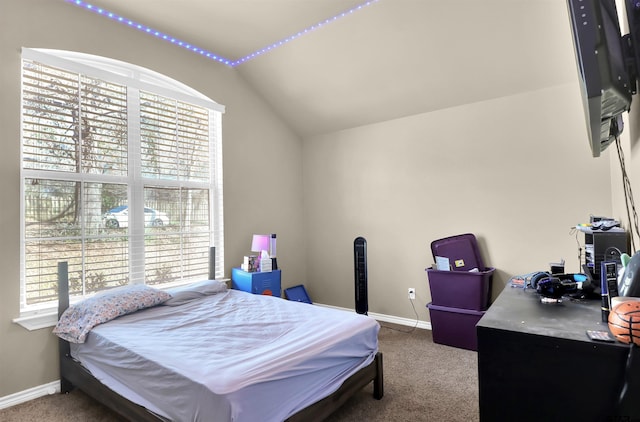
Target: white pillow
[{"x": 78, "y": 320}]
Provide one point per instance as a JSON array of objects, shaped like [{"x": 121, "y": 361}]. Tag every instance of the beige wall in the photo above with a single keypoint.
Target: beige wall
[
  {"x": 515, "y": 171},
  {"x": 254, "y": 141}
]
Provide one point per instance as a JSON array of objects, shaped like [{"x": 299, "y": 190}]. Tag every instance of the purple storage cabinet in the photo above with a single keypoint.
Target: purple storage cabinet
[
  {"x": 460, "y": 288},
  {"x": 454, "y": 326}
]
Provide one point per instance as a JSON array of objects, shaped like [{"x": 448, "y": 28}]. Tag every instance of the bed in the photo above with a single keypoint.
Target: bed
[{"x": 183, "y": 359}]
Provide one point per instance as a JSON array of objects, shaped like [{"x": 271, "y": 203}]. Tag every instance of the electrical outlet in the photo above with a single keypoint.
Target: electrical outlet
[{"x": 412, "y": 293}]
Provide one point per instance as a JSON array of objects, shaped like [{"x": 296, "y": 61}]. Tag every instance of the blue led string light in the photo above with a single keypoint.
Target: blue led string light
[
  {"x": 203, "y": 52},
  {"x": 301, "y": 33},
  {"x": 151, "y": 31}
]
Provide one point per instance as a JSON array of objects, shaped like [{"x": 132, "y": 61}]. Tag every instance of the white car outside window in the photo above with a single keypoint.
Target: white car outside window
[{"x": 118, "y": 217}]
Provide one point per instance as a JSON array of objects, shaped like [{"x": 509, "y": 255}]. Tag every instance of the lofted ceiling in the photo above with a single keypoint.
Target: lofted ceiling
[{"x": 381, "y": 60}]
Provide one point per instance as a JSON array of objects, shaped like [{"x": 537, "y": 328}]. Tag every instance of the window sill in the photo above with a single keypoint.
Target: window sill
[
  {"x": 48, "y": 317},
  {"x": 37, "y": 321}
]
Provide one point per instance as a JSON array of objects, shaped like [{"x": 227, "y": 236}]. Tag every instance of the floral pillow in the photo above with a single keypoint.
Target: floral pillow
[
  {"x": 76, "y": 322},
  {"x": 184, "y": 294}
]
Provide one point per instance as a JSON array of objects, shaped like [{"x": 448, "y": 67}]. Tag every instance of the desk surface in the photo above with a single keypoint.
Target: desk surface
[
  {"x": 540, "y": 351},
  {"x": 521, "y": 310}
]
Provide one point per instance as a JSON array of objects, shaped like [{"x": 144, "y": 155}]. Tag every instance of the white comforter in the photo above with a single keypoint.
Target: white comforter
[{"x": 232, "y": 356}]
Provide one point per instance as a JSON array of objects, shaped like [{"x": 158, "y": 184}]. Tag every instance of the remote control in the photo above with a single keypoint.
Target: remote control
[{"x": 600, "y": 336}]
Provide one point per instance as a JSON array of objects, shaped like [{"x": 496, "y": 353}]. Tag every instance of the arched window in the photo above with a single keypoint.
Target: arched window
[{"x": 121, "y": 177}]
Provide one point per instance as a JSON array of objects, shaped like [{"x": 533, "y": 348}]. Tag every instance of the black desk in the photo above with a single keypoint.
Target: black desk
[{"x": 535, "y": 362}]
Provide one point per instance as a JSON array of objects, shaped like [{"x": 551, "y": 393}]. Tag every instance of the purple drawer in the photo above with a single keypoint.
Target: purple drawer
[
  {"x": 454, "y": 327},
  {"x": 458, "y": 289}
]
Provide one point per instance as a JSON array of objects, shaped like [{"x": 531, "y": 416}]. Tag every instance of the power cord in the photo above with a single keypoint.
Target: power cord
[
  {"x": 574, "y": 231},
  {"x": 628, "y": 195},
  {"x": 405, "y": 331}
]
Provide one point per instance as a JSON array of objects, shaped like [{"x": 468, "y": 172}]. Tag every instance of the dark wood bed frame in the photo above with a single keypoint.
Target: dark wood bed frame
[{"x": 74, "y": 375}]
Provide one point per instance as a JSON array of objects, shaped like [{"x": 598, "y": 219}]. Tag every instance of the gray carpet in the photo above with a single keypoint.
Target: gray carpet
[{"x": 423, "y": 381}]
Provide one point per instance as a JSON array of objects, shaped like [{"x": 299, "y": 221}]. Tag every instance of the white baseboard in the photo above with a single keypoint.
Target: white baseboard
[
  {"x": 426, "y": 325},
  {"x": 30, "y": 394},
  {"x": 54, "y": 387}
]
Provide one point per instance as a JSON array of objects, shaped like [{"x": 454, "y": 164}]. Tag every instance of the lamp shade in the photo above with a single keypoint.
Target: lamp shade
[{"x": 260, "y": 243}]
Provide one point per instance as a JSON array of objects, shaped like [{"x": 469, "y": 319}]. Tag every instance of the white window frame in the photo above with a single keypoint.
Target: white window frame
[{"x": 136, "y": 79}]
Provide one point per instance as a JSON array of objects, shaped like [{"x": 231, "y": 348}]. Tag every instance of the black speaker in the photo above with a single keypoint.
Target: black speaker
[{"x": 360, "y": 267}]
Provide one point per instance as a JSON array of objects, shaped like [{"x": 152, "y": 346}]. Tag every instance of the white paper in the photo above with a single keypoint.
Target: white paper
[{"x": 442, "y": 263}]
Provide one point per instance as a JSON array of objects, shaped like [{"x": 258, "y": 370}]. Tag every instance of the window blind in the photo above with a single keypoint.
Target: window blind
[{"x": 123, "y": 183}]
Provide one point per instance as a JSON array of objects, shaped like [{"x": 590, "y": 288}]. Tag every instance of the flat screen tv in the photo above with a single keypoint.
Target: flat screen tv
[{"x": 606, "y": 64}]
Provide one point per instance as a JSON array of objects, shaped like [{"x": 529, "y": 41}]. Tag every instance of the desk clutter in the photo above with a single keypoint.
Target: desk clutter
[
  {"x": 265, "y": 259},
  {"x": 460, "y": 287}
]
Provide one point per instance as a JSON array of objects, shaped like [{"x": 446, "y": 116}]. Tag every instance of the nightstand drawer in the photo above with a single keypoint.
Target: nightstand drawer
[{"x": 267, "y": 283}]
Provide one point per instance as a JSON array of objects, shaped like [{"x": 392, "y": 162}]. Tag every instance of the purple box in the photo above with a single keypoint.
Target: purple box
[
  {"x": 462, "y": 251},
  {"x": 461, "y": 289},
  {"x": 454, "y": 326}
]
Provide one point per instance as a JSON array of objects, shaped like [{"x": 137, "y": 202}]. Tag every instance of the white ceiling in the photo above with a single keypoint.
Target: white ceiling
[{"x": 389, "y": 59}]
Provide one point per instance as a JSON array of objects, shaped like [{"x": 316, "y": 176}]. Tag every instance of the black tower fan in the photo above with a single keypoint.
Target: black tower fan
[{"x": 360, "y": 267}]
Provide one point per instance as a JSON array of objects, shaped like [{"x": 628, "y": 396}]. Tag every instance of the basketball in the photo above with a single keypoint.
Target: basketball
[{"x": 624, "y": 322}]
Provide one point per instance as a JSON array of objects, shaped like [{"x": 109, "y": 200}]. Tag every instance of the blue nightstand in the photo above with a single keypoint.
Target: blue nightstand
[{"x": 267, "y": 283}]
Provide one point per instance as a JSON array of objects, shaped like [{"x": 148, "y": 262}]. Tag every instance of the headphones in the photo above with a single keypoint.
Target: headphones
[
  {"x": 555, "y": 286},
  {"x": 536, "y": 277}
]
